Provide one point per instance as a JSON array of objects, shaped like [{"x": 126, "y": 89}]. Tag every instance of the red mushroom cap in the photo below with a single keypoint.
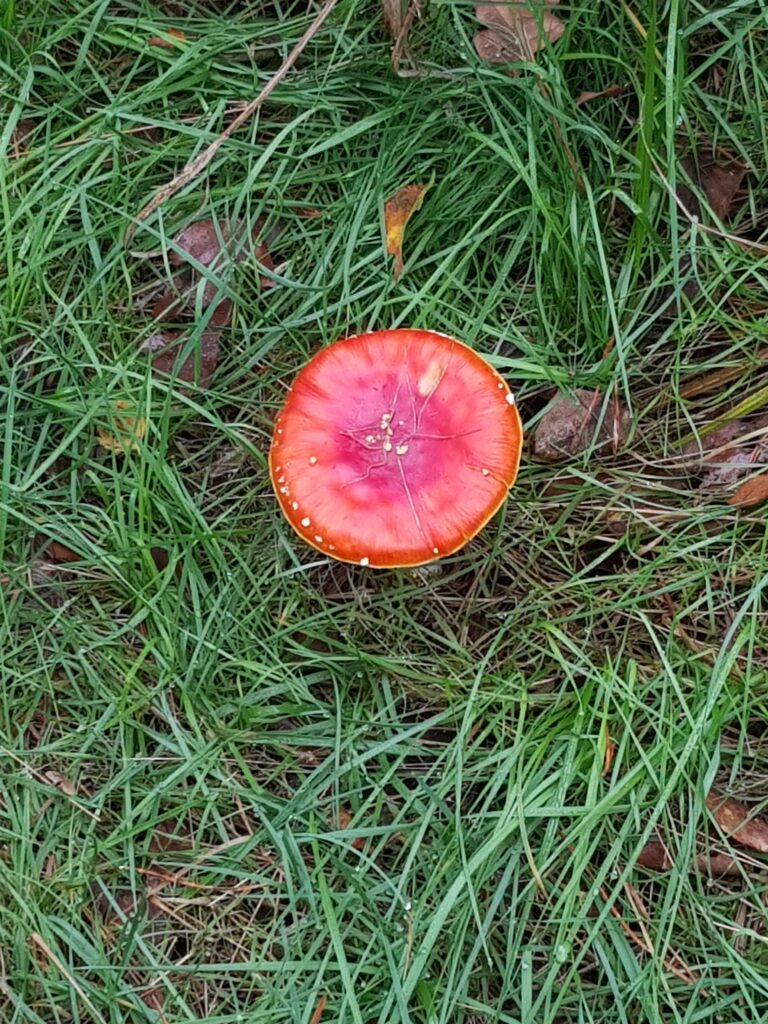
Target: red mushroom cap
[{"x": 394, "y": 448}]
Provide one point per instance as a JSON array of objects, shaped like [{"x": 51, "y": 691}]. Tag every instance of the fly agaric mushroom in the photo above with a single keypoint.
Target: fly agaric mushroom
[{"x": 394, "y": 448}]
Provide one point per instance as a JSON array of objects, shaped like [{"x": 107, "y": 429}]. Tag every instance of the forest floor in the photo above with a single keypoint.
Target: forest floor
[{"x": 243, "y": 782}]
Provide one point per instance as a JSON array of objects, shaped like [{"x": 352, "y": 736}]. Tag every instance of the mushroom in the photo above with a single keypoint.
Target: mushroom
[{"x": 394, "y": 448}]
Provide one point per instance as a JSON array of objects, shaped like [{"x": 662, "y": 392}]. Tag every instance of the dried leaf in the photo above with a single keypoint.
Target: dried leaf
[
  {"x": 587, "y": 96},
  {"x": 731, "y": 465},
  {"x": 203, "y": 241},
  {"x": 656, "y": 857},
  {"x": 735, "y": 821},
  {"x": 61, "y": 553},
  {"x": 176, "y": 35},
  {"x": 345, "y": 820},
  {"x": 573, "y": 423},
  {"x": 207, "y": 240},
  {"x": 210, "y": 244},
  {"x": 398, "y": 210},
  {"x": 709, "y": 446},
  {"x": 24, "y": 127},
  {"x": 199, "y": 365},
  {"x": 129, "y": 431},
  {"x": 61, "y": 782},
  {"x": 722, "y": 462},
  {"x": 718, "y": 182},
  {"x": 751, "y": 492},
  {"x": 719, "y": 864},
  {"x": 393, "y": 13},
  {"x": 516, "y": 31}
]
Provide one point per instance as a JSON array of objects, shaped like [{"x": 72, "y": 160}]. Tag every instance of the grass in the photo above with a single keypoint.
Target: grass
[{"x": 249, "y": 780}]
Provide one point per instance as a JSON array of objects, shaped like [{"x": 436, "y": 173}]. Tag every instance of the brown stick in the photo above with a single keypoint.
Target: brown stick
[{"x": 201, "y": 161}]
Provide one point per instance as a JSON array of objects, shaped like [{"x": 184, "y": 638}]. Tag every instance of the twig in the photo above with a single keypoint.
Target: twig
[
  {"x": 318, "y": 1010},
  {"x": 201, "y": 161},
  {"x": 400, "y": 48}
]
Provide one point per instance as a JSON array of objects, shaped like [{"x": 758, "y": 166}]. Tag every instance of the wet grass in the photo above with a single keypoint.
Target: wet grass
[{"x": 239, "y": 779}]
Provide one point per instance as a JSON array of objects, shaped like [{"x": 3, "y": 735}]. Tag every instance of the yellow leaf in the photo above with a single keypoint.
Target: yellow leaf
[
  {"x": 398, "y": 210},
  {"x": 128, "y": 431}
]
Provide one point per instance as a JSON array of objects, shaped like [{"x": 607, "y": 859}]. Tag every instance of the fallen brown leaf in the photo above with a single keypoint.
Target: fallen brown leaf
[
  {"x": 751, "y": 492},
  {"x": 516, "y": 31},
  {"x": 722, "y": 458},
  {"x": 656, "y": 857},
  {"x": 610, "y": 90},
  {"x": 129, "y": 431},
  {"x": 175, "y": 34},
  {"x": 718, "y": 181},
  {"x": 61, "y": 553},
  {"x": 202, "y": 240},
  {"x": 345, "y": 819},
  {"x": 574, "y": 422},
  {"x": 61, "y": 782},
  {"x": 398, "y": 210},
  {"x": 212, "y": 245},
  {"x": 735, "y": 821},
  {"x": 199, "y": 365},
  {"x": 24, "y": 127}
]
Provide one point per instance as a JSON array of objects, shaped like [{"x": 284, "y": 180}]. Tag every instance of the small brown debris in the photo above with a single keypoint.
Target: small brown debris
[
  {"x": 609, "y": 91},
  {"x": 609, "y": 748},
  {"x": 49, "y": 866},
  {"x": 199, "y": 365},
  {"x": 574, "y": 422},
  {"x": 345, "y": 819},
  {"x": 723, "y": 460},
  {"x": 170, "y": 40},
  {"x": 735, "y": 821},
  {"x": 718, "y": 181},
  {"x": 24, "y": 127},
  {"x": 61, "y": 782},
  {"x": 516, "y": 31},
  {"x": 202, "y": 240},
  {"x": 154, "y": 998},
  {"x": 656, "y": 857},
  {"x": 751, "y": 492},
  {"x": 398, "y": 210},
  {"x": 318, "y": 1011},
  {"x": 128, "y": 431},
  {"x": 61, "y": 553}
]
